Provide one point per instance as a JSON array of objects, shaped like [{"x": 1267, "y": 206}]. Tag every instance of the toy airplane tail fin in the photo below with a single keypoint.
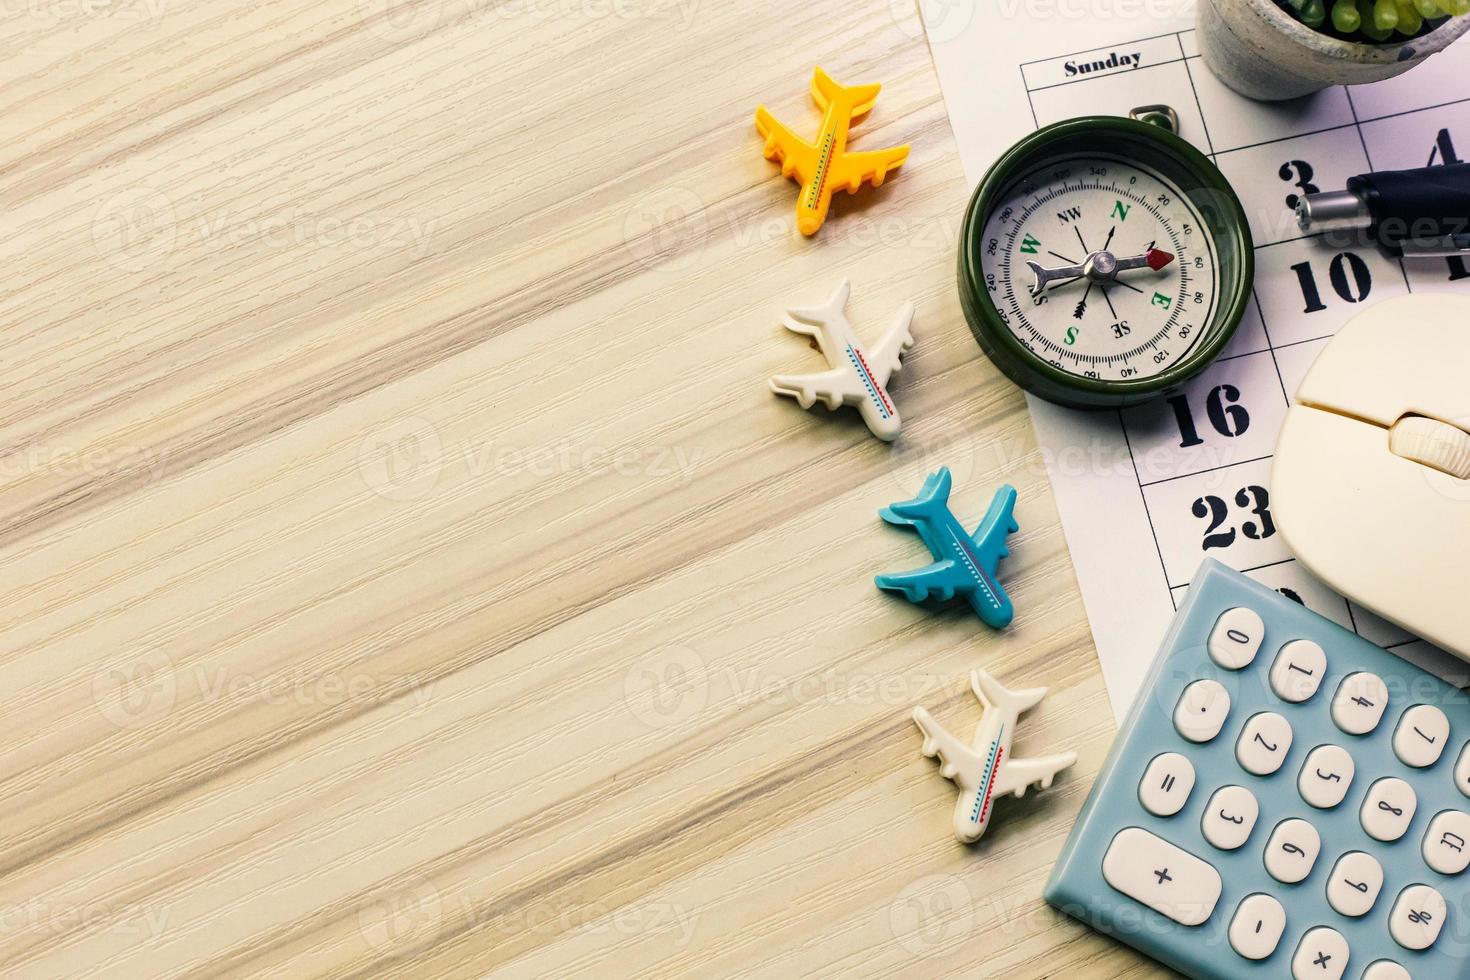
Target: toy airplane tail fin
[
  {"x": 993, "y": 694},
  {"x": 809, "y": 319},
  {"x": 861, "y": 97},
  {"x": 933, "y": 499}
]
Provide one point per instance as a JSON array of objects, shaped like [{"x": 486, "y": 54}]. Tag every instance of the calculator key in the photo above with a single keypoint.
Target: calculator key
[
  {"x": 1257, "y": 927},
  {"x": 1298, "y": 670},
  {"x": 1166, "y": 784},
  {"x": 1202, "y": 710},
  {"x": 1359, "y": 703},
  {"x": 1322, "y": 955},
  {"x": 1388, "y": 808},
  {"x": 1326, "y": 776},
  {"x": 1386, "y": 970},
  {"x": 1420, "y": 738},
  {"x": 1230, "y": 816},
  {"x": 1354, "y": 884},
  {"x": 1417, "y": 917},
  {"x": 1166, "y": 878},
  {"x": 1263, "y": 743},
  {"x": 1236, "y": 638},
  {"x": 1447, "y": 842},
  {"x": 1462, "y": 770},
  {"x": 1292, "y": 850}
]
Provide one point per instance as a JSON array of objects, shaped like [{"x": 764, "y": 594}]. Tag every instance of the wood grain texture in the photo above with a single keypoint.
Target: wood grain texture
[{"x": 405, "y": 569}]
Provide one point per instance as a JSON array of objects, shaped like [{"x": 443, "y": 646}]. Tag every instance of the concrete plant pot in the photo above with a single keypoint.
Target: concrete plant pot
[{"x": 1263, "y": 52}]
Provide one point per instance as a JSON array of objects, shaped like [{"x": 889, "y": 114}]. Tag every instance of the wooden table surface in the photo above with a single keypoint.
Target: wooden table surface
[{"x": 405, "y": 567}]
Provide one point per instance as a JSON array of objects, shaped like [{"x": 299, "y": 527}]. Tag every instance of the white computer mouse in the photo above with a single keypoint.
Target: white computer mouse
[{"x": 1370, "y": 486}]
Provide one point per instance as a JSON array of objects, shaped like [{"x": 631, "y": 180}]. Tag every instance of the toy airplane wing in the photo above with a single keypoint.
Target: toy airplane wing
[
  {"x": 871, "y": 166},
  {"x": 1017, "y": 775},
  {"x": 886, "y": 356},
  {"x": 795, "y": 154},
  {"x": 999, "y": 521},
  {"x": 832, "y": 388},
  {"x": 957, "y": 761},
  {"x": 939, "y": 581}
]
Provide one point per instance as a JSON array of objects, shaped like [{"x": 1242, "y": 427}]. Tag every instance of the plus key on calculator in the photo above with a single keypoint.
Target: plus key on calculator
[{"x": 1285, "y": 799}]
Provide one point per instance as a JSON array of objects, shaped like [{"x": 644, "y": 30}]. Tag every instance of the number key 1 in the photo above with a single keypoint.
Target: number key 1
[{"x": 1298, "y": 670}]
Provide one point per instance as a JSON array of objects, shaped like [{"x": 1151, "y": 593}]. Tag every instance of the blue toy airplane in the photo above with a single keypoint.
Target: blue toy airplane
[{"x": 965, "y": 563}]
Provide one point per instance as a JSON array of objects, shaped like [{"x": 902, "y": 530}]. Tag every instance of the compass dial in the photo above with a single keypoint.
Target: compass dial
[{"x": 1100, "y": 267}]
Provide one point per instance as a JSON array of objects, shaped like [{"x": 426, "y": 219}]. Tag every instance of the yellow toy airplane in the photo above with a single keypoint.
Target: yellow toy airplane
[{"x": 826, "y": 166}]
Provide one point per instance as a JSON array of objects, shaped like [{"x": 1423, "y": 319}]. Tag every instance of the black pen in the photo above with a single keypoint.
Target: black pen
[{"x": 1416, "y": 213}]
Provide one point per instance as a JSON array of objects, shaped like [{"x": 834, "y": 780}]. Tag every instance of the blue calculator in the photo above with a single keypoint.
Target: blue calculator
[{"x": 1285, "y": 799}]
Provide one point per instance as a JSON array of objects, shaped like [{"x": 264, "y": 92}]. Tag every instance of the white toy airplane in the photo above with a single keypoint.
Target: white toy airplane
[
  {"x": 857, "y": 376},
  {"x": 983, "y": 773}
]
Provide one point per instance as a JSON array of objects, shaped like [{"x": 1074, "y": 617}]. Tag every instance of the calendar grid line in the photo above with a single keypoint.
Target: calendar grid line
[
  {"x": 1138, "y": 478},
  {"x": 1236, "y": 357},
  {"x": 1288, "y": 241},
  {"x": 1080, "y": 81},
  {"x": 1136, "y": 40},
  {"x": 1266, "y": 329},
  {"x": 1286, "y": 139},
  {"x": 1245, "y": 571},
  {"x": 1208, "y": 469},
  {"x": 1368, "y": 155},
  {"x": 1194, "y": 90}
]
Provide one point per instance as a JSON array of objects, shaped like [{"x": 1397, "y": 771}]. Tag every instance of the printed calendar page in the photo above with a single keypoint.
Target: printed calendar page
[{"x": 1145, "y": 493}]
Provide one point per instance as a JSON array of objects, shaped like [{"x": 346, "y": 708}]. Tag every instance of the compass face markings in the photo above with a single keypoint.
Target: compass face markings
[{"x": 1135, "y": 325}]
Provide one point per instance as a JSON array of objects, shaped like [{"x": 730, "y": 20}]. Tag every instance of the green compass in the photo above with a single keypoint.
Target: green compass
[{"x": 1104, "y": 260}]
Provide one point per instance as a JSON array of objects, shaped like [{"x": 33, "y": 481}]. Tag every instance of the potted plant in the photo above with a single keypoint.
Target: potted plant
[{"x": 1282, "y": 49}]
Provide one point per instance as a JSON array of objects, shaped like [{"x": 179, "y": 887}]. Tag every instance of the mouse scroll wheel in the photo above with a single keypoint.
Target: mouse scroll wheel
[{"x": 1433, "y": 443}]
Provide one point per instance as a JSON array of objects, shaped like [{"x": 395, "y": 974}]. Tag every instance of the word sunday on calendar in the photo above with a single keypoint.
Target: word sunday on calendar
[{"x": 1146, "y": 492}]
